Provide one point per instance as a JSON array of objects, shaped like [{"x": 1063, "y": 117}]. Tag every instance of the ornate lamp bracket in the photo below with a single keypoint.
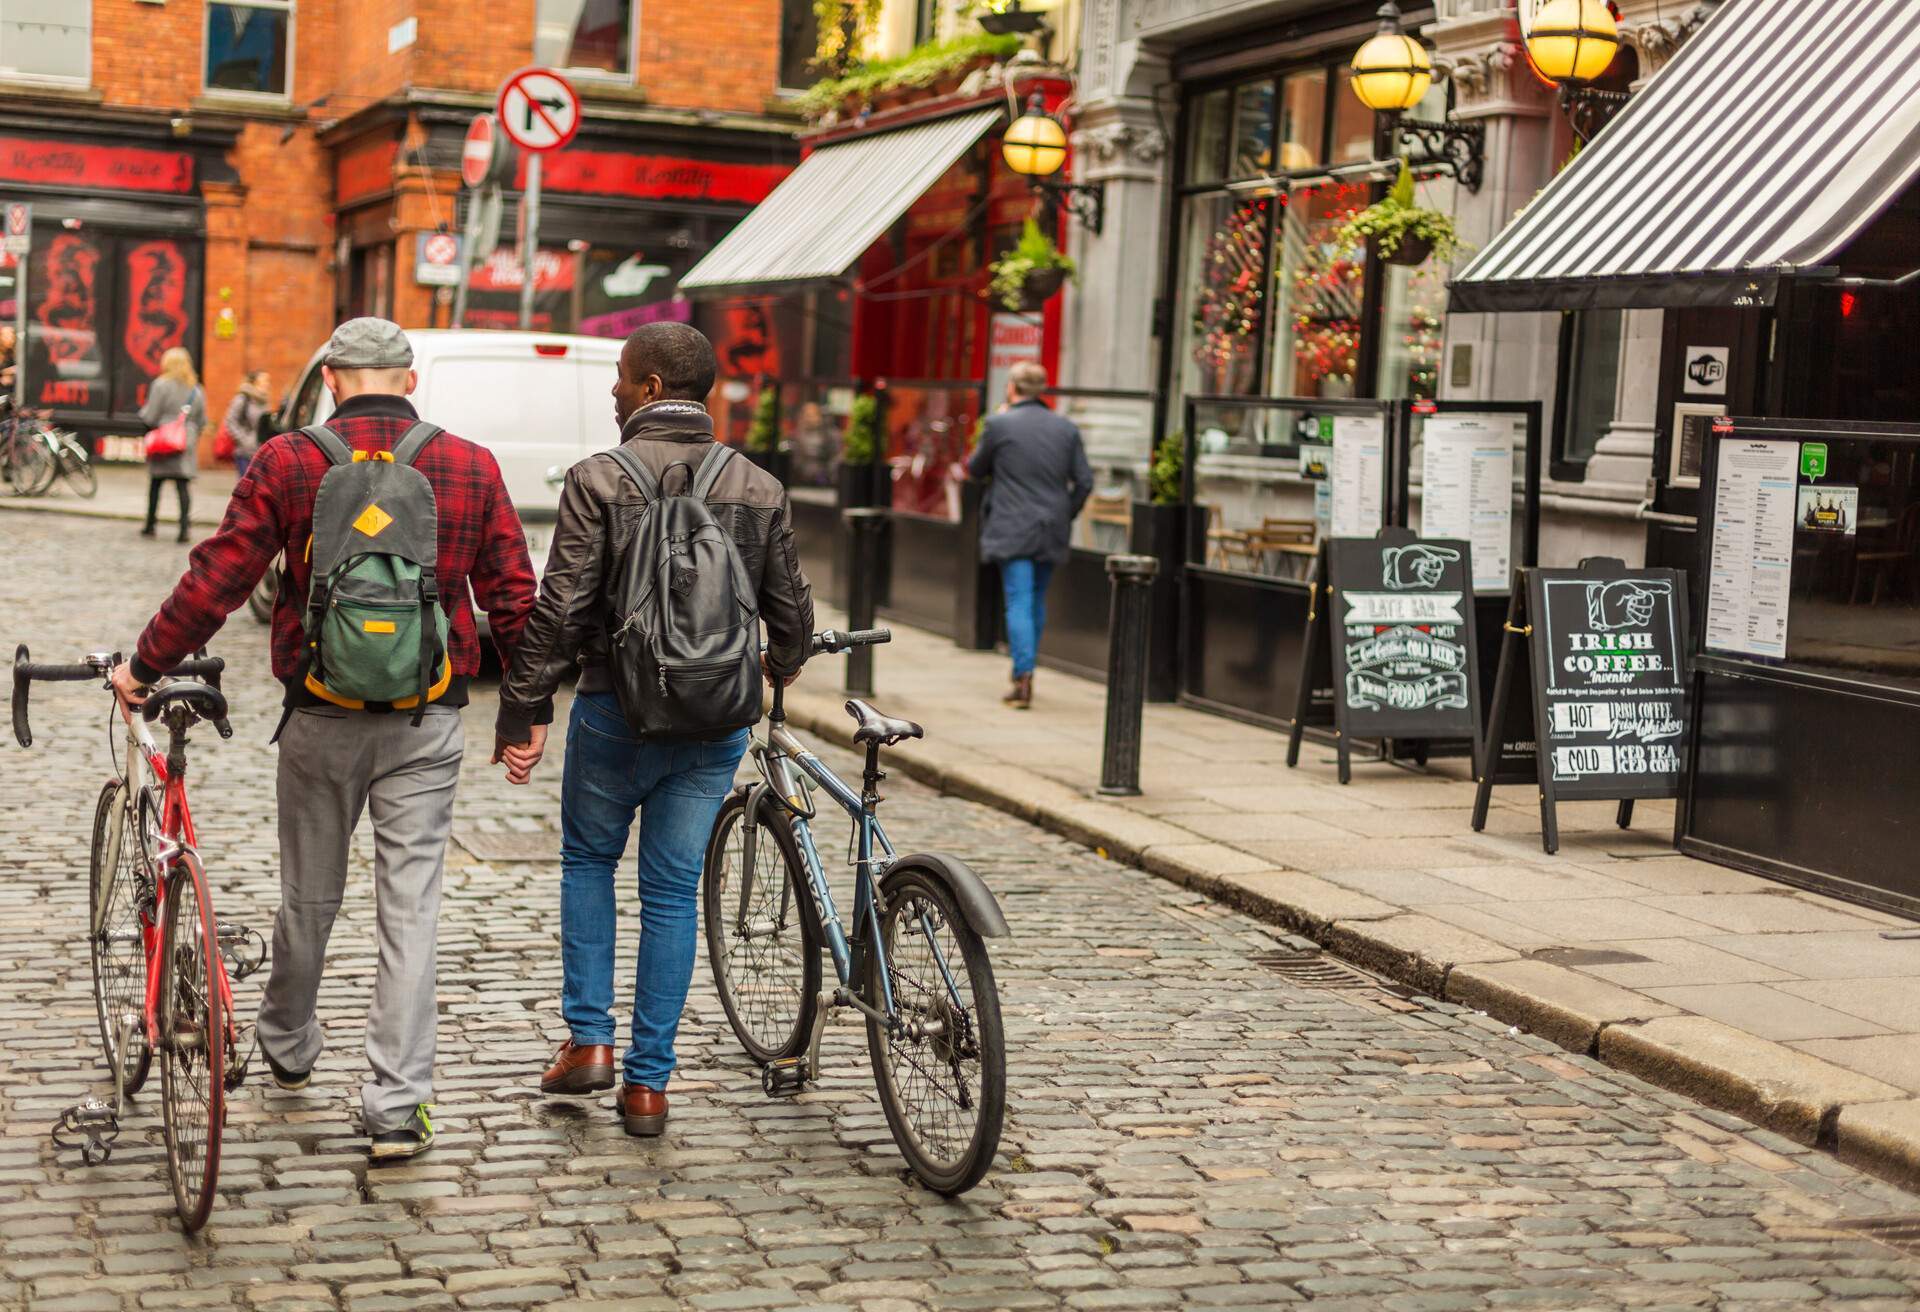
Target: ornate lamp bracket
[
  {"x": 1588, "y": 109},
  {"x": 1456, "y": 148},
  {"x": 1086, "y": 201}
]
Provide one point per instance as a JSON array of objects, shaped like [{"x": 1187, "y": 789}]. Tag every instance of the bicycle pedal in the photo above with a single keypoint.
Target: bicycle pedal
[
  {"x": 233, "y": 938},
  {"x": 236, "y": 1073},
  {"x": 90, "y": 1126},
  {"x": 784, "y": 1077}
]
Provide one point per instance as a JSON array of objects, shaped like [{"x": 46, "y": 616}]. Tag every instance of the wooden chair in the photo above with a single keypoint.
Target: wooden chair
[{"x": 1106, "y": 513}]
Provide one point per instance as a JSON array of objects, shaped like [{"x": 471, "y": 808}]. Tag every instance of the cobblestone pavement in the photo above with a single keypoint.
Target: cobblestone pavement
[{"x": 1187, "y": 1127}]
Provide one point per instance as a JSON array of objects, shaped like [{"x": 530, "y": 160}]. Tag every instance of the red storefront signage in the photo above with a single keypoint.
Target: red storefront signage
[
  {"x": 501, "y": 272},
  {"x": 112, "y": 168},
  {"x": 662, "y": 177},
  {"x": 364, "y": 170}
]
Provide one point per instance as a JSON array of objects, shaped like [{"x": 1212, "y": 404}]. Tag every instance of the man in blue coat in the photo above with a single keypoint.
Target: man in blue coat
[{"x": 1040, "y": 480}]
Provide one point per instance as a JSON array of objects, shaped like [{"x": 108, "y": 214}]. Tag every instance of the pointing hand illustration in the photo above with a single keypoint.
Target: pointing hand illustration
[
  {"x": 1416, "y": 566},
  {"x": 1623, "y": 604}
]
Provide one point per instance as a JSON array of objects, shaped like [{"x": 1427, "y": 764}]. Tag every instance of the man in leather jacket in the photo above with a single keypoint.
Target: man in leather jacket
[{"x": 666, "y": 371}]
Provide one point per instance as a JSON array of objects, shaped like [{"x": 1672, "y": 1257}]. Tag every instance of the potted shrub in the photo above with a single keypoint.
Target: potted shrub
[
  {"x": 1027, "y": 276},
  {"x": 1160, "y": 530},
  {"x": 863, "y": 475},
  {"x": 1400, "y": 231},
  {"x": 763, "y": 434}
]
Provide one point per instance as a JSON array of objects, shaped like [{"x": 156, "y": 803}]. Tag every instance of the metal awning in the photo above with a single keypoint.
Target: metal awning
[
  {"x": 1779, "y": 132},
  {"x": 840, "y": 200}
]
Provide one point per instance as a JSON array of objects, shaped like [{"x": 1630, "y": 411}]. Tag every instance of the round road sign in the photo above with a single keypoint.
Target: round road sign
[
  {"x": 476, "y": 157},
  {"x": 441, "y": 248},
  {"x": 538, "y": 109}
]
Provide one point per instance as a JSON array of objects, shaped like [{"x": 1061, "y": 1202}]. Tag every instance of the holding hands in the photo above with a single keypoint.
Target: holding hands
[{"x": 520, "y": 758}]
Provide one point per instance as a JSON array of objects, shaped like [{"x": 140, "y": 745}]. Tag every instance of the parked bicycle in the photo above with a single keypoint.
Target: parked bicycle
[
  {"x": 914, "y": 962},
  {"x": 33, "y": 453},
  {"x": 160, "y": 959}
]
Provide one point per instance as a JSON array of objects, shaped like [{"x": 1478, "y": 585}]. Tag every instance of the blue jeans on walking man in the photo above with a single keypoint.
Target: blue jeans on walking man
[
  {"x": 677, "y": 789},
  {"x": 1024, "y": 584}
]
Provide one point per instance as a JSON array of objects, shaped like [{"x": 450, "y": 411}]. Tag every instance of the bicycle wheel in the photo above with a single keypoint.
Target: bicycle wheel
[
  {"x": 945, "y": 1093},
  {"x": 192, "y": 1043},
  {"x": 77, "y": 469},
  {"x": 116, "y": 937},
  {"x": 29, "y": 465},
  {"x": 765, "y": 954}
]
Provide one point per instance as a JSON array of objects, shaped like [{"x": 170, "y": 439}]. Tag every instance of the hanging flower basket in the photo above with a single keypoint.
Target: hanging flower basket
[
  {"x": 1395, "y": 230},
  {"x": 1012, "y": 20},
  {"x": 1040, "y": 287},
  {"x": 1413, "y": 250}
]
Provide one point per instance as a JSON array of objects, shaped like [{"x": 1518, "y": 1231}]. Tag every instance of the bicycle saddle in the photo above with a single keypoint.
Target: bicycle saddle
[
  {"x": 207, "y": 703},
  {"x": 878, "y": 728}
]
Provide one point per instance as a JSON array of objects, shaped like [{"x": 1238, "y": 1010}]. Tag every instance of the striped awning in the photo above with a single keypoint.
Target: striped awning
[
  {"x": 1779, "y": 132},
  {"x": 840, "y": 200}
]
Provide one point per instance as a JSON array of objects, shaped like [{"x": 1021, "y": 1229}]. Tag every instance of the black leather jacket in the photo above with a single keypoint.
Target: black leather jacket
[{"x": 600, "y": 510}]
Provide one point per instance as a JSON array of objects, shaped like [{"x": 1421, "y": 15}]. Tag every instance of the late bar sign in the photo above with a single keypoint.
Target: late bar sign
[{"x": 109, "y": 168}]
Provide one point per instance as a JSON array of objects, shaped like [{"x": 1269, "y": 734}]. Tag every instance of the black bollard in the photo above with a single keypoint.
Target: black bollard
[
  {"x": 1126, "y": 671},
  {"x": 864, "y": 527}
]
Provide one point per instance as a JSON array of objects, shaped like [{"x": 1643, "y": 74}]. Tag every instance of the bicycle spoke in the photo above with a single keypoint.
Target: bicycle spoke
[
  {"x": 935, "y": 1078},
  {"x": 763, "y": 963},
  {"x": 192, "y": 1041}
]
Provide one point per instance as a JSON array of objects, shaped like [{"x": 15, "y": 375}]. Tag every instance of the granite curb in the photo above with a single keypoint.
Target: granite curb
[{"x": 1868, "y": 1124}]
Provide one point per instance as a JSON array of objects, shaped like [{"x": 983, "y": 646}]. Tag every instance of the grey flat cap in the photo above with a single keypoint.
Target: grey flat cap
[{"x": 368, "y": 344}]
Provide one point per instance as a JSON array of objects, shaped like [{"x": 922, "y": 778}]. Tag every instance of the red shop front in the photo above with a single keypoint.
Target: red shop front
[{"x": 115, "y": 277}]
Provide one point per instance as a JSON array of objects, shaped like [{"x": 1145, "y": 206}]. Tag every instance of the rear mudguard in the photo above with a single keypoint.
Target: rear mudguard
[{"x": 978, "y": 906}]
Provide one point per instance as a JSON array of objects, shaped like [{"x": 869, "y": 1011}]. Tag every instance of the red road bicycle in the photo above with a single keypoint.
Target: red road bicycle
[{"x": 160, "y": 978}]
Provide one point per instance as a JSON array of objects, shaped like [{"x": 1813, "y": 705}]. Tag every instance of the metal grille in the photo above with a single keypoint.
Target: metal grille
[{"x": 1315, "y": 971}]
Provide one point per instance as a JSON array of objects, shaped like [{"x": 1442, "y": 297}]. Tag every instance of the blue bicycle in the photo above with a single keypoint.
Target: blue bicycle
[{"x": 913, "y": 962}]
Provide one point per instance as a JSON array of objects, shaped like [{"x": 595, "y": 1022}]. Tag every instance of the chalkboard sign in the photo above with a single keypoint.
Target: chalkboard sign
[
  {"x": 1591, "y": 687},
  {"x": 1392, "y": 633}
]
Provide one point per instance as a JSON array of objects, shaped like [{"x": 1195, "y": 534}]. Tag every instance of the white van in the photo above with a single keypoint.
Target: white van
[{"x": 538, "y": 401}]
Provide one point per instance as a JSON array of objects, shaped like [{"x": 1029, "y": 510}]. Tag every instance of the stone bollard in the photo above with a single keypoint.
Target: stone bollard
[
  {"x": 864, "y": 527},
  {"x": 1127, "y": 638}
]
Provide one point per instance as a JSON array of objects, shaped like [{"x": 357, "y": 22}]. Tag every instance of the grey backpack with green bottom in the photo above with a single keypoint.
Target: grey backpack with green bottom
[{"x": 376, "y": 633}]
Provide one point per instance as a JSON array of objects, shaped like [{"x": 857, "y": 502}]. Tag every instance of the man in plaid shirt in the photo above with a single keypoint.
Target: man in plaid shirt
[{"x": 335, "y": 762}]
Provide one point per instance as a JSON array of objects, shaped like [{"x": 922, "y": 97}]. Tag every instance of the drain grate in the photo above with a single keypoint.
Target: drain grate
[
  {"x": 1901, "y": 1232},
  {"x": 505, "y": 845},
  {"x": 1315, "y": 971}
]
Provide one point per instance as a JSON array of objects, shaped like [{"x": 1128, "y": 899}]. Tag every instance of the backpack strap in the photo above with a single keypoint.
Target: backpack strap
[
  {"x": 710, "y": 469},
  {"x": 413, "y": 440},
  {"x": 330, "y": 443},
  {"x": 637, "y": 469}
]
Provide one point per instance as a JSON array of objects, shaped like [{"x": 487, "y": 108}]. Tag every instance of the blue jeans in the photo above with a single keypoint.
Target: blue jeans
[
  {"x": 1024, "y": 584},
  {"x": 677, "y": 788}
]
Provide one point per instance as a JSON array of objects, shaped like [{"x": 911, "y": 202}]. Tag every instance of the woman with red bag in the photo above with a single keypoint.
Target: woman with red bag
[{"x": 177, "y": 410}]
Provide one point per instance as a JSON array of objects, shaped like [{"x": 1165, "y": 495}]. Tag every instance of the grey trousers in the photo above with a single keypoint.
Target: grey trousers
[{"x": 334, "y": 764}]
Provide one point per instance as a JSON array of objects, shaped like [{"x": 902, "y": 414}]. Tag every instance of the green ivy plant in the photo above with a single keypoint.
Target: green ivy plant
[
  {"x": 921, "y": 66},
  {"x": 1034, "y": 253},
  {"x": 763, "y": 435},
  {"x": 1389, "y": 222},
  {"x": 862, "y": 440},
  {"x": 1165, "y": 476}
]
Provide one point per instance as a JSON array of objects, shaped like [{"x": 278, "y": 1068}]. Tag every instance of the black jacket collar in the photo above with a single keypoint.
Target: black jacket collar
[
  {"x": 370, "y": 404},
  {"x": 669, "y": 421}
]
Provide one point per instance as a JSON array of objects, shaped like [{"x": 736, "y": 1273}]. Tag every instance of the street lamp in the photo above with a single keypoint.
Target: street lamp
[
  {"x": 1573, "y": 43},
  {"x": 1392, "y": 73},
  {"x": 1035, "y": 147}
]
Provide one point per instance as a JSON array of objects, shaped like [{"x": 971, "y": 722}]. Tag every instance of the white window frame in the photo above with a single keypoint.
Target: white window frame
[
  {"x": 56, "y": 79},
  {"x": 601, "y": 75},
  {"x": 291, "y": 9}
]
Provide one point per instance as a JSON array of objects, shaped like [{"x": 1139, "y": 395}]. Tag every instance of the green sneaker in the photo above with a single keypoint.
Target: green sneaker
[{"x": 410, "y": 1140}]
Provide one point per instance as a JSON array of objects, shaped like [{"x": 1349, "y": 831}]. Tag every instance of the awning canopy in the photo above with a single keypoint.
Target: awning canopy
[
  {"x": 1779, "y": 132},
  {"x": 817, "y": 222}
]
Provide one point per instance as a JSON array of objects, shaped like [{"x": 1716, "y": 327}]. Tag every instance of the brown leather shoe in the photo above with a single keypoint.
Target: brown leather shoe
[
  {"x": 578, "y": 1069},
  {"x": 1020, "y": 696},
  {"x": 642, "y": 1110}
]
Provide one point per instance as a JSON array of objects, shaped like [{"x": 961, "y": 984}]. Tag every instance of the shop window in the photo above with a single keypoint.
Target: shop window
[
  {"x": 102, "y": 308},
  {"x": 1211, "y": 117},
  {"x": 250, "y": 46},
  {"x": 1303, "y": 120},
  {"x": 1225, "y": 291},
  {"x": 799, "y": 39},
  {"x": 1413, "y": 312},
  {"x": 585, "y": 36},
  {"x": 1353, "y": 124},
  {"x": 47, "y": 39},
  {"x": 1252, "y": 130},
  {"x": 1590, "y": 381},
  {"x": 1319, "y": 292}
]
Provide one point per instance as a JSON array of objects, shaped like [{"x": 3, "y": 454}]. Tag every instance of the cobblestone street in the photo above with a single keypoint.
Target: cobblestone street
[{"x": 1187, "y": 1125}]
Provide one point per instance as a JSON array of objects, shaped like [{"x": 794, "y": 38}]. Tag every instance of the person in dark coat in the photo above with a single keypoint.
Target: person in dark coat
[{"x": 1040, "y": 480}]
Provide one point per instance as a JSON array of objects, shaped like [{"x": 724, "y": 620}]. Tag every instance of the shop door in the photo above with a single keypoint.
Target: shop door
[{"x": 102, "y": 308}]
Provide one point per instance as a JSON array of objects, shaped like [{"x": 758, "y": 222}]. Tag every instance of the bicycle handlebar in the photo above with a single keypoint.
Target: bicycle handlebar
[
  {"x": 27, "y": 671},
  {"x": 834, "y": 640}
]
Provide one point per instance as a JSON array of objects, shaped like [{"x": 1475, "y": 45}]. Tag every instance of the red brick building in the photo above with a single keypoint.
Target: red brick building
[{"x": 235, "y": 177}]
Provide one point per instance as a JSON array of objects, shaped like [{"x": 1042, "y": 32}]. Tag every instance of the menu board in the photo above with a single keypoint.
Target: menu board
[
  {"x": 1750, "y": 574},
  {"x": 1467, "y": 489},
  {"x": 1359, "y": 474},
  {"x": 1609, "y": 695},
  {"x": 1401, "y": 624}
]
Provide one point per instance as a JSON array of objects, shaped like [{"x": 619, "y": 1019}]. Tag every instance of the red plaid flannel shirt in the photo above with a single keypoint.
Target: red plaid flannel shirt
[{"x": 481, "y": 543}]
